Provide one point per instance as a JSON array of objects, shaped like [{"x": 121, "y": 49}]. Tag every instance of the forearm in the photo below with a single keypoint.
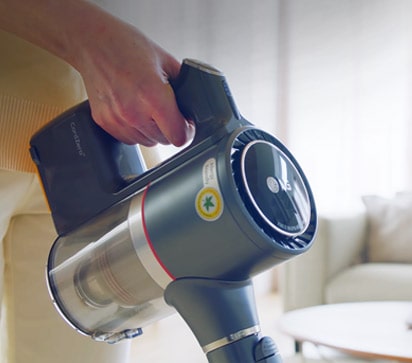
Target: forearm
[{"x": 54, "y": 25}]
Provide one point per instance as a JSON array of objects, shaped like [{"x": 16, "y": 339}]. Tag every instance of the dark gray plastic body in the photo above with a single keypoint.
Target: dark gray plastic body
[{"x": 193, "y": 227}]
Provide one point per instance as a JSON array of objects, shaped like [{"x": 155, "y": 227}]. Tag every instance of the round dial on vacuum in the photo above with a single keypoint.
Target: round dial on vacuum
[{"x": 275, "y": 188}]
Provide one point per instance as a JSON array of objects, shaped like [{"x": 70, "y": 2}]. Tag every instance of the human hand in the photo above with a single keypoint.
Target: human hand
[{"x": 126, "y": 77}]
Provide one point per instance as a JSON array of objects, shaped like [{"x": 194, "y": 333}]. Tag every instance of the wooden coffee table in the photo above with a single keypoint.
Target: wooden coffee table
[{"x": 371, "y": 330}]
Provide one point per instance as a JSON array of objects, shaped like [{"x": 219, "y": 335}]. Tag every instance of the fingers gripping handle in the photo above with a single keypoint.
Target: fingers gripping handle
[
  {"x": 203, "y": 97},
  {"x": 74, "y": 155}
]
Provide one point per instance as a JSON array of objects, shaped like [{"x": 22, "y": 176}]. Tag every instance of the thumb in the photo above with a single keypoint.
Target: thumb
[{"x": 171, "y": 67}]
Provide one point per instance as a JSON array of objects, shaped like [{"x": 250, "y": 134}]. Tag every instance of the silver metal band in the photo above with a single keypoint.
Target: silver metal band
[
  {"x": 230, "y": 339},
  {"x": 141, "y": 245}
]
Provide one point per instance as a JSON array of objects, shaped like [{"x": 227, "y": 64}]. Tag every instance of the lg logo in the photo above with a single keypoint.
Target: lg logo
[{"x": 275, "y": 185}]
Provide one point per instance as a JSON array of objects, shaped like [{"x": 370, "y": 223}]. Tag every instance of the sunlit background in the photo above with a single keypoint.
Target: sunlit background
[{"x": 330, "y": 78}]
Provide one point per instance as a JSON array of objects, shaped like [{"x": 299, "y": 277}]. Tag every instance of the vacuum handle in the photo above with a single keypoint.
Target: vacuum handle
[
  {"x": 85, "y": 170},
  {"x": 204, "y": 97}
]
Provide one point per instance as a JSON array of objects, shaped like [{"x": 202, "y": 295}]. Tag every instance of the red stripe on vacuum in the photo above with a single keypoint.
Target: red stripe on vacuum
[{"x": 146, "y": 233}]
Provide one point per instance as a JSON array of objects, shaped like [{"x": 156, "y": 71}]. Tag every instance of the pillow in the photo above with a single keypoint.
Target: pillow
[{"x": 390, "y": 228}]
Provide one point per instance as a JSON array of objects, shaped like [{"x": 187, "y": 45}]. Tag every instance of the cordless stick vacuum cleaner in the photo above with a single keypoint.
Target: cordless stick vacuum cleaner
[{"x": 134, "y": 245}]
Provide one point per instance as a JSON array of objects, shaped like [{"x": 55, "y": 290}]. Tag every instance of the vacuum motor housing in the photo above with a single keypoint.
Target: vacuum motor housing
[{"x": 231, "y": 205}]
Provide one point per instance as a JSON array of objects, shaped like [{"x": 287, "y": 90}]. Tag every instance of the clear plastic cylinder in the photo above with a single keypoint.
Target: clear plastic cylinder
[{"x": 100, "y": 285}]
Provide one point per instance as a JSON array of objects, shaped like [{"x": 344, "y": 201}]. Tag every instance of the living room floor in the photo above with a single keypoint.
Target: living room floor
[{"x": 170, "y": 340}]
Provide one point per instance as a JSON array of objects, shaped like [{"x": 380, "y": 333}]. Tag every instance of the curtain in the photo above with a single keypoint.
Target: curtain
[{"x": 347, "y": 95}]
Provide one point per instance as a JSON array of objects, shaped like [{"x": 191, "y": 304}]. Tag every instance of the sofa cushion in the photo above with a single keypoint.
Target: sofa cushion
[
  {"x": 390, "y": 228},
  {"x": 371, "y": 282}
]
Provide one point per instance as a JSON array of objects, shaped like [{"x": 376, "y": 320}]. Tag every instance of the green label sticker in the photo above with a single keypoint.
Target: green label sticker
[{"x": 209, "y": 202}]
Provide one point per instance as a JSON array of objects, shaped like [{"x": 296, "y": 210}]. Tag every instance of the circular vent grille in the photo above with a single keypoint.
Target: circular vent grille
[{"x": 272, "y": 189}]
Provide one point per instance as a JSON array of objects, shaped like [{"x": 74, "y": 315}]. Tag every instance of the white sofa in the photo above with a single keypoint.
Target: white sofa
[{"x": 364, "y": 256}]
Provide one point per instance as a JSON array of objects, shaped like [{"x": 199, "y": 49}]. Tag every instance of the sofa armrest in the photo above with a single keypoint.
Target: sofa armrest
[
  {"x": 339, "y": 243},
  {"x": 346, "y": 241}
]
